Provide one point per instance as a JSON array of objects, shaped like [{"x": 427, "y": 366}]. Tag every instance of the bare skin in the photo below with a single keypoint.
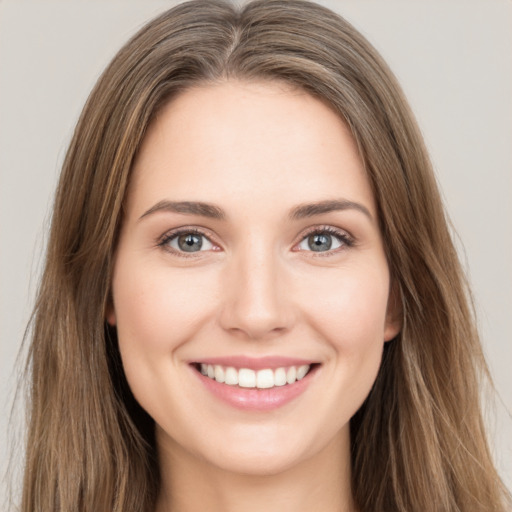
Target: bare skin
[
  {"x": 193, "y": 485},
  {"x": 251, "y": 232}
]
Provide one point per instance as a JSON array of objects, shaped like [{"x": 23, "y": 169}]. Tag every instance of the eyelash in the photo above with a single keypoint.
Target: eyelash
[
  {"x": 343, "y": 237},
  {"x": 346, "y": 240},
  {"x": 171, "y": 235}
]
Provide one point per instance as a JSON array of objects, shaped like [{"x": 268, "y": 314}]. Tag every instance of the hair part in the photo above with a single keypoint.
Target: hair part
[{"x": 418, "y": 441}]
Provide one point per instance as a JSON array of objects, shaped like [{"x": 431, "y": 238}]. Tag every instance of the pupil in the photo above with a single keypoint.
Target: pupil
[
  {"x": 190, "y": 242},
  {"x": 319, "y": 242}
]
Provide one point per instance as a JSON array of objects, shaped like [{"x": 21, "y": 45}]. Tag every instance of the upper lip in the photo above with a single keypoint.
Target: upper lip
[{"x": 254, "y": 363}]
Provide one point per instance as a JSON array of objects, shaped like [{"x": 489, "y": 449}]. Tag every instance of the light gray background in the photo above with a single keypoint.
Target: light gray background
[{"x": 453, "y": 59}]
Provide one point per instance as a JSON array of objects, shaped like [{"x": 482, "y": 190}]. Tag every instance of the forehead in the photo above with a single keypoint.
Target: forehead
[{"x": 248, "y": 140}]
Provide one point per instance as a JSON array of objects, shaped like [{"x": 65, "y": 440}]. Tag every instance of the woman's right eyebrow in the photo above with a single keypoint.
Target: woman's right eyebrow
[{"x": 187, "y": 208}]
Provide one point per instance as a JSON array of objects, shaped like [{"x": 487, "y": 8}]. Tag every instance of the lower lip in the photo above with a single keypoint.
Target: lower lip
[{"x": 256, "y": 399}]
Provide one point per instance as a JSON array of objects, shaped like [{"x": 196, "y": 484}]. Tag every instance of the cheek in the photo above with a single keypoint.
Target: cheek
[
  {"x": 158, "y": 308},
  {"x": 349, "y": 307},
  {"x": 351, "y": 318},
  {"x": 349, "y": 313}
]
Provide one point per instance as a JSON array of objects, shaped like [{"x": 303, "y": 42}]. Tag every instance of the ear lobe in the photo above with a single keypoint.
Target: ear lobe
[
  {"x": 394, "y": 313},
  {"x": 110, "y": 313}
]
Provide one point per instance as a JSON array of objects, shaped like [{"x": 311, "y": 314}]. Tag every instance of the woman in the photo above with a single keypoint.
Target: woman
[{"x": 251, "y": 297}]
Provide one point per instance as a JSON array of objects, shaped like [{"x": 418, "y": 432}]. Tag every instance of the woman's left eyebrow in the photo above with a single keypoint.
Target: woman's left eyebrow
[
  {"x": 187, "y": 208},
  {"x": 311, "y": 209}
]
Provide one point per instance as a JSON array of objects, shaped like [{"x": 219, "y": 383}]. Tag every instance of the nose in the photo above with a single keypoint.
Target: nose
[{"x": 256, "y": 303}]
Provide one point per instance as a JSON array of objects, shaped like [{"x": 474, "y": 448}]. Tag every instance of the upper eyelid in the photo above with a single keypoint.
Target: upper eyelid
[
  {"x": 171, "y": 233},
  {"x": 326, "y": 228}
]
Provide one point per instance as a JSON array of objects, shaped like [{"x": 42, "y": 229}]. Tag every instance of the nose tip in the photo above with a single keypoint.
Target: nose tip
[
  {"x": 256, "y": 327},
  {"x": 255, "y": 304}
]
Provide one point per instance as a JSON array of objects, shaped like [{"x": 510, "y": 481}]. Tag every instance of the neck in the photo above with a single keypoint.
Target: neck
[{"x": 321, "y": 482}]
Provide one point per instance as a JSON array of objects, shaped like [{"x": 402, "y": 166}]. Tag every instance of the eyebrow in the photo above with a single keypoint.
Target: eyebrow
[
  {"x": 187, "y": 208},
  {"x": 211, "y": 211},
  {"x": 311, "y": 209}
]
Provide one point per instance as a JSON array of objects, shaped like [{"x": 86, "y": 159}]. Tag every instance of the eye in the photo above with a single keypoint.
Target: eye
[
  {"x": 187, "y": 242},
  {"x": 324, "y": 240}
]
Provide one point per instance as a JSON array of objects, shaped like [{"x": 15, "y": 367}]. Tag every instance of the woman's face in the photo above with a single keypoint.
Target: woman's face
[{"x": 250, "y": 251}]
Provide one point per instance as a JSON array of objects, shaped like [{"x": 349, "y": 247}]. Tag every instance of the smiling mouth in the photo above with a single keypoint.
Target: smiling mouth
[{"x": 247, "y": 378}]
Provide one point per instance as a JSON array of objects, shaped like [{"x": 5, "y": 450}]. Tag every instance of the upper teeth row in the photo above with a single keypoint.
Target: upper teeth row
[{"x": 247, "y": 378}]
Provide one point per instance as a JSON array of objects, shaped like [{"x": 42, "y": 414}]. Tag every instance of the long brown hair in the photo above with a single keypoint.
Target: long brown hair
[{"x": 418, "y": 442}]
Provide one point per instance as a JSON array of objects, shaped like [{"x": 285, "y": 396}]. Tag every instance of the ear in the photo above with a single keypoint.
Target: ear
[
  {"x": 394, "y": 313},
  {"x": 110, "y": 312}
]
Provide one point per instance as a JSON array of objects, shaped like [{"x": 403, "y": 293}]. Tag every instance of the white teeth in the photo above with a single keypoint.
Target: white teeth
[
  {"x": 246, "y": 378},
  {"x": 280, "y": 377},
  {"x": 265, "y": 379},
  {"x": 261, "y": 379},
  {"x": 231, "y": 377},
  {"x": 219, "y": 373},
  {"x": 301, "y": 371},
  {"x": 291, "y": 375}
]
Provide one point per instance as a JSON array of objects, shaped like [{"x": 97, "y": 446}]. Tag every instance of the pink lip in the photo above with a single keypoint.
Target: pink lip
[
  {"x": 256, "y": 399},
  {"x": 255, "y": 363}
]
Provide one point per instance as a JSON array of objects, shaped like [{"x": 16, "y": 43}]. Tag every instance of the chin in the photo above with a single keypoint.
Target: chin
[
  {"x": 268, "y": 451},
  {"x": 258, "y": 463}
]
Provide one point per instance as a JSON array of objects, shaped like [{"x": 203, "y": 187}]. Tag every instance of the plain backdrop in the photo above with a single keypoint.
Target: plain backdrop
[{"x": 453, "y": 58}]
